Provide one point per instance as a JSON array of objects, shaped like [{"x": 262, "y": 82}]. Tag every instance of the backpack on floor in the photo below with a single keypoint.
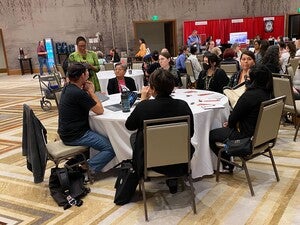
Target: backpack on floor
[{"x": 67, "y": 186}]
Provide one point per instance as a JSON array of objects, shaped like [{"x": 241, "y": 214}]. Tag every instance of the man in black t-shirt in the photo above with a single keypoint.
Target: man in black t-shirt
[{"x": 77, "y": 99}]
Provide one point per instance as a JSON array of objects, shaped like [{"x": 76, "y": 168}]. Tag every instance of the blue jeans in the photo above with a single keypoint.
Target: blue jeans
[
  {"x": 43, "y": 61},
  {"x": 99, "y": 143}
]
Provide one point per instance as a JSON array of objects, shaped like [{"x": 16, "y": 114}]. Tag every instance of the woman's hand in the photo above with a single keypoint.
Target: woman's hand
[{"x": 145, "y": 93}]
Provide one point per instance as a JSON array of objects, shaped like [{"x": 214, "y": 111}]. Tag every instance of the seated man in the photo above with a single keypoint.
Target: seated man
[{"x": 77, "y": 99}]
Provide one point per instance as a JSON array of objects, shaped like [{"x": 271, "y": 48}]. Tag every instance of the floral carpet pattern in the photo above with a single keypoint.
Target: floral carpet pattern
[{"x": 226, "y": 202}]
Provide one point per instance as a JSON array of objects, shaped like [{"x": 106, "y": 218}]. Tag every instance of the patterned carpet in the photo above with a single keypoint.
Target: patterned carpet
[{"x": 226, "y": 202}]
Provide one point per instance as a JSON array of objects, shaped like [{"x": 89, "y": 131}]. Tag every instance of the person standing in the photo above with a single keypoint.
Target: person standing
[
  {"x": 89, "y": 57},
  {"x": 42, "y": 57},
  {"x": 77, "y": 99},
  {"x": 194, "y": 40}
]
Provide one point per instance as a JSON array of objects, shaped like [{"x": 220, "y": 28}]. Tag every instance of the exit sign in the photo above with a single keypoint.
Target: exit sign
[
  {"x": 298, "y": 10},
  {"x": 154, "y": 18}
]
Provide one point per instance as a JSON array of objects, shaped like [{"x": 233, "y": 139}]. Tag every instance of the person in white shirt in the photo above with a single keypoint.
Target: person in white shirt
[
  {"x": 284, "y": 56},
  {"x": 195, "y": 63}
]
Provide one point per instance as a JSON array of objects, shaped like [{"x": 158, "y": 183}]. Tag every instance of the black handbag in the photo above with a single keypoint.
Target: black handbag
[
  {"x": 126, "y": 182},
  {"x": 239, "y": 147}
]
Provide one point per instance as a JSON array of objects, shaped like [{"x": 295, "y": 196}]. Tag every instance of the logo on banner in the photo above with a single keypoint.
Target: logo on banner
[{"x": 269, "y": 24}]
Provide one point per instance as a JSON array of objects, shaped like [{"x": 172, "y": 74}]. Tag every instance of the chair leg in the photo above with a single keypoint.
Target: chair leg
[
  {"x": 144, "y": 198},
  {"x": 193, "y": 194},
  {"x": 247, "y": 175},
  {"x": 297, "y": 129},
  {"x": 218, "y": 166},
  {"x": 274, "y": 165}
]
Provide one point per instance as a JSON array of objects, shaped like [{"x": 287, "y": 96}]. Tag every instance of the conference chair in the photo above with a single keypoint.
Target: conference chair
[
  {"x": 294, "y": 62},
  {"x": 229, "y": 68},
  {"x": 56, "y": 151},
  {"x": 282, "y": 85},
  {"x": 263, "y": 140},
  {"x": 137, "y": 65},
  {"x": 166, "y": 142},
  {"x": 191, "y": 79},
  {"x": 109, "y": 66},
  {"x": 290, "y": 71}
]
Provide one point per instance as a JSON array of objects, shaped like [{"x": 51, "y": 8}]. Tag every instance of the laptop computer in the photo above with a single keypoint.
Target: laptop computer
[
  {"x": 118, "y": 107},
  {"x": 102, "y": 97}
]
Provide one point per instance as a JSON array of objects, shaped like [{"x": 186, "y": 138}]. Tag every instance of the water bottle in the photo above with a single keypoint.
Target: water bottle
[{"x": 125, "y": 101}]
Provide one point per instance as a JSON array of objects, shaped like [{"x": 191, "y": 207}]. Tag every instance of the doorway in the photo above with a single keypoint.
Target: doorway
[
  {"x": 3, "y": 59},
  {"x": 158, "y": 35},
  {"x": 293, "y": 26}
]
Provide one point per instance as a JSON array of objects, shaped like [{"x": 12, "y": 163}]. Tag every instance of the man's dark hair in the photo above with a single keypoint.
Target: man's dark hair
[
  {"x": 155, "y": 55},
  {"x": 162, "y": 81},
  {"x": 75, "y": 70},
  {"x": 193, "y": 50}
]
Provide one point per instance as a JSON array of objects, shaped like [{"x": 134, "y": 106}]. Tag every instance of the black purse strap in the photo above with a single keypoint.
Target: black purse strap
[{"x": 63, "y": 177}]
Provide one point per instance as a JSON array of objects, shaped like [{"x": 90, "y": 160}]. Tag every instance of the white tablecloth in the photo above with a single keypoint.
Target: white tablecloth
[
  {"x": 104, "y": 76},
  {"x": 112, "y": 125}
]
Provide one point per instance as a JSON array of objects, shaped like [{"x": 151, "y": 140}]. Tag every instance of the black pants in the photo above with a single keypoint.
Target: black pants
[{"x": 220, "y": 135}]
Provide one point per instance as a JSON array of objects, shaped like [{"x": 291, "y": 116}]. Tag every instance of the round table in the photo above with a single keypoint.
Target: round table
[
  {"x": 104, "y": 76},
  {"x": 210, "y": 110}
]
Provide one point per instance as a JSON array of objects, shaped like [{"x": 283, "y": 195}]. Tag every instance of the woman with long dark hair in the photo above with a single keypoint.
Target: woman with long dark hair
[
  {"x": 242, "y": 120},
  {"x": 212, "y": 78}
]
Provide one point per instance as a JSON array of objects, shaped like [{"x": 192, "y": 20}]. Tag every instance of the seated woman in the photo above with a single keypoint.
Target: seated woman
[
  {"x": 142, "y": 49},
  {"x": 236, "y": 86},
  {"x": 242, "y": 120},
  {"x": 114, "y": 84},
  {"x": 212, "y": 78},
  {"x": 271, "y": 59},
  {"x": 114, "y": 55},
  {"x": 163, "y": 105},
  {"x": 165, "y": 62},
  {"x": 229, "y": 58},
  {"x": 247, "y": 60}
]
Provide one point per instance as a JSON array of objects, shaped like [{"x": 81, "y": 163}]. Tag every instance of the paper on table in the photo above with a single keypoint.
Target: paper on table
[
  {"x": 209, "y": 100},
  {"x": 217, "y": 106}
]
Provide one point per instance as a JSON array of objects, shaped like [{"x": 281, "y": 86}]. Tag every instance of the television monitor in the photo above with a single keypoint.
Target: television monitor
[{"x": 238, "y": 37}]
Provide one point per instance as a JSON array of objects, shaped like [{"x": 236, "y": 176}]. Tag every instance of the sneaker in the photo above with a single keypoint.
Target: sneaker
[{"x": 227, "y": 168}]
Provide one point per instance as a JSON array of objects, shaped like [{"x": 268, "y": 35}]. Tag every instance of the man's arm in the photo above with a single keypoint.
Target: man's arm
[{"x": 89, "y": 87}]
